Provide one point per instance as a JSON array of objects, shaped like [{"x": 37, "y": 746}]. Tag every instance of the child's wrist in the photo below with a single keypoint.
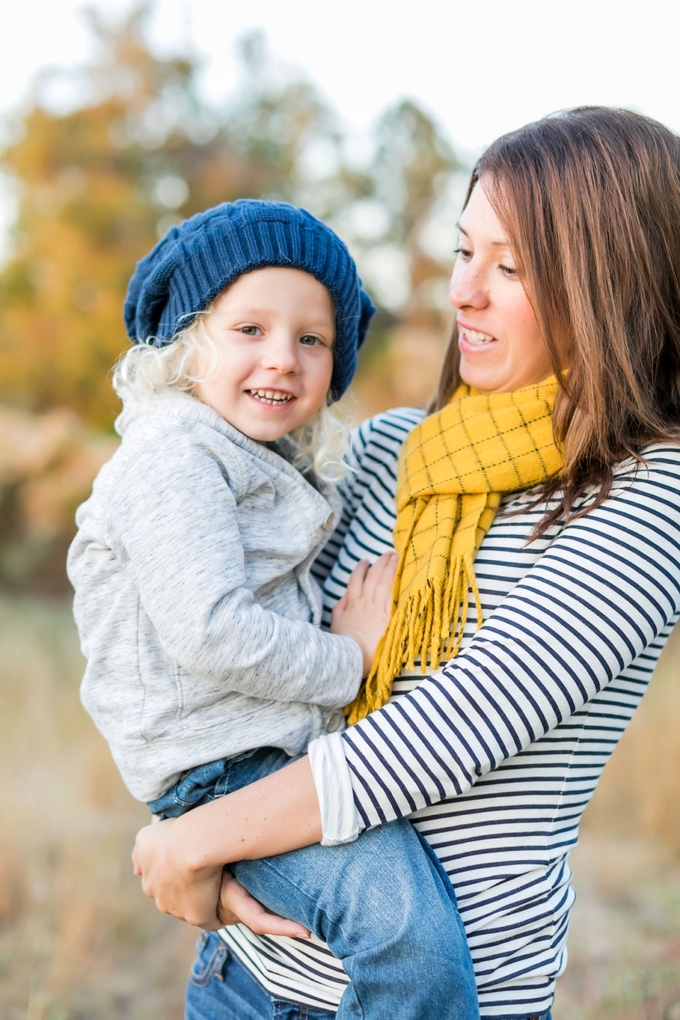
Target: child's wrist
[{"x": 366, "y": 657}]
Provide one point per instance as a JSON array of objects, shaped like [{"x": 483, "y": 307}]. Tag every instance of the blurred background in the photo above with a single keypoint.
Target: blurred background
[{"x": 118, "y": 121}]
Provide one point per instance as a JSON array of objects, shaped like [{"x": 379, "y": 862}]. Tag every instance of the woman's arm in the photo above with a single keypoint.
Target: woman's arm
[
  {"x": 605, "y": 588},
  {"x": 181, "y": 860}
]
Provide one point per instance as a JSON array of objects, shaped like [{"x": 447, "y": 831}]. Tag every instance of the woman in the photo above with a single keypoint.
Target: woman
[{"x": 567, "y": 295}]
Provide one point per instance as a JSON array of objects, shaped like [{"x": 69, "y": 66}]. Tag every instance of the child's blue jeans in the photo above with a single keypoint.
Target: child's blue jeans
[
  {"x": 383, "y": 904},
  {"x": 221, "y": 987}
]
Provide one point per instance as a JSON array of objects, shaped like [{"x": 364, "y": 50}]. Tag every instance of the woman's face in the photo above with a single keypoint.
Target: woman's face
[{"x": 501, "y": 347}]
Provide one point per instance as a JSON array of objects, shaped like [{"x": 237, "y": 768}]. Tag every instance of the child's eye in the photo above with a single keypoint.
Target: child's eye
[
  {"x": 309, "y": 340},
  {"x": 250, "y": 330}
]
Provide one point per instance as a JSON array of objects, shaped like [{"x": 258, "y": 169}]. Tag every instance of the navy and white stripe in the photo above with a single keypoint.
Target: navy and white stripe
[{"x": 496, "y": 755}]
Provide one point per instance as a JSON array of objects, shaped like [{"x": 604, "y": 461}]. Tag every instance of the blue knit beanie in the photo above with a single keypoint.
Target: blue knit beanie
[{"x": 196, "y": 260}]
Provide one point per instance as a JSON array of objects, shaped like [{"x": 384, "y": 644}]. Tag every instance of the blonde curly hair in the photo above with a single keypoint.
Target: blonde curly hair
[{"x": 146, "y": 370}]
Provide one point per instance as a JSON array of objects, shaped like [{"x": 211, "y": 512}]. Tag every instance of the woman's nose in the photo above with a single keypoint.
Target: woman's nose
[{"x": 468, "y": 287}]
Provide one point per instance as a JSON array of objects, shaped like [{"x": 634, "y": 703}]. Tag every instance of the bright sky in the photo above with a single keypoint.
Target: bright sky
[{"x": 482, "y": 66}]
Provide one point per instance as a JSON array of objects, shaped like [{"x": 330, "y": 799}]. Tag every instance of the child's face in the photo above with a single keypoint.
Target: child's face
[{"x": 273, "y": 330}]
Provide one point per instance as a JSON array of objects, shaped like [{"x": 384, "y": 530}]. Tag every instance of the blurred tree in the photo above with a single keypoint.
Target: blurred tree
[
  {"x": 138, "y": 150},
  {"x": 97, "y": 186},
  {"x": 412, "y": 171},
  {"x": 415, "y": 188}
]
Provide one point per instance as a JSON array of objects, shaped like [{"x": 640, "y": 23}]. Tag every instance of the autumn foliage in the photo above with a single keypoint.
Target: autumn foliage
[{"x": 139, "y": 149}]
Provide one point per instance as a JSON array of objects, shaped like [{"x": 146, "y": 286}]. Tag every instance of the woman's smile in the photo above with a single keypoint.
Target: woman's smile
[{"x": 475, "y": 339}]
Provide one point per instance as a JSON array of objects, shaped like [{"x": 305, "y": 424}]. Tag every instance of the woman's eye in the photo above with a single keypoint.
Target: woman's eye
[
  {"x": 464, "y": 253},
  {"x": 508, "y": 271},
  {"x": 309, "y": 340}
]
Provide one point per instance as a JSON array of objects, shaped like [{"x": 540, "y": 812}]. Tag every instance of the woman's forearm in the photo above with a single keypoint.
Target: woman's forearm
[
  {"x": 181, "y": 860},
  {"x": 271, "y": 816}
]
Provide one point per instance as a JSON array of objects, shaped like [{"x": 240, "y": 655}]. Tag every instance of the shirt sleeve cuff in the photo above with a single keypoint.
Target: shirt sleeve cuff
[{"x": 339, "y": 817}]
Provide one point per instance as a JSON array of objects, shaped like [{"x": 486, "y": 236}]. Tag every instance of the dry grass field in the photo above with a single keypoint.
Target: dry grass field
[
  {"x": 78, "y": 941},
  {"x": 77, "y": 937}
]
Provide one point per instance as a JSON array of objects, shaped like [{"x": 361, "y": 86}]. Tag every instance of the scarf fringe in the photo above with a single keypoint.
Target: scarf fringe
[
  {"x": 453, "y": 471},
  {"x": 422, "y": 627}
]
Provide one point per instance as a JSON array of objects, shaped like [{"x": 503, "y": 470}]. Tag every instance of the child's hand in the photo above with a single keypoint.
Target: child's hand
[{"x": 364, "y": 610}]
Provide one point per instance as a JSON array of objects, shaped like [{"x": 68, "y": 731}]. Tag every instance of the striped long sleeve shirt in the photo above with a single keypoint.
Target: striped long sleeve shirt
[{"x": 495, "y": 756}]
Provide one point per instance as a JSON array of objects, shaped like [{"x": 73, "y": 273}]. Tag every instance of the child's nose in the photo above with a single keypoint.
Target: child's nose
[{"x": 281, "y": 354}]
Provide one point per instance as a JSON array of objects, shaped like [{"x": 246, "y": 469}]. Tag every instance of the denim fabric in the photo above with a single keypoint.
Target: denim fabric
[
  {"x": 220, "y": 988},
  {"x": 383, "y": 904},
  {"x": 216, "y": 779}
]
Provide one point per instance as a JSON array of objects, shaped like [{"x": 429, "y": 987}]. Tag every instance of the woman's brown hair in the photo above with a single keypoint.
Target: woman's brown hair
[{"x": 590, "y": 202}]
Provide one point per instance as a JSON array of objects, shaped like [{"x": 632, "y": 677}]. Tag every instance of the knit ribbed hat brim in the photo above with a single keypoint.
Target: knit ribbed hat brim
[{"x": 198, "y": 259}]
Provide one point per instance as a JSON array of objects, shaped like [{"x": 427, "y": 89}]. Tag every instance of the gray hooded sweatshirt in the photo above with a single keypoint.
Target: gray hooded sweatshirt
[{"x": 196, "y": 609}]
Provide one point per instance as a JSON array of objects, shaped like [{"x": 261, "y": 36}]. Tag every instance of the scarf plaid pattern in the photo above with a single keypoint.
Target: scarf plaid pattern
[{"x": 454, "y": 468}]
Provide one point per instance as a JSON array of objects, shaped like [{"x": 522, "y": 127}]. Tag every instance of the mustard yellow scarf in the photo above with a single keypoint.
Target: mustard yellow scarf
[{"x": 454, "y": 468}]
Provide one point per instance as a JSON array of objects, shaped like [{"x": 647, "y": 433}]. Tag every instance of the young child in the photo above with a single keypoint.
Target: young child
[{"x": 194, "y": 600}]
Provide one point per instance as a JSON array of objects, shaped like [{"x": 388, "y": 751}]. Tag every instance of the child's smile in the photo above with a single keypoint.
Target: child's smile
[
  {"x": 273, "y": 331},
  {"x": 271, "y": 396}
]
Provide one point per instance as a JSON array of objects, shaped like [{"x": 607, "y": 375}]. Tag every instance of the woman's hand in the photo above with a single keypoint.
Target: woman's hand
[
  {"x": 179, "y": 885},
  {"x": 236, "y": 905},
  {"x": 208, "y": 897},
  {"x": 364, "y": 610},
  {"x": 182, "y": 860}
]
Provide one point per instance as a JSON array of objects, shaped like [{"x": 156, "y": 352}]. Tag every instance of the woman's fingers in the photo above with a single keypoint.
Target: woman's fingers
[
  {"x": 188, "y": 894},
  {"x": 237, "y": 905}
]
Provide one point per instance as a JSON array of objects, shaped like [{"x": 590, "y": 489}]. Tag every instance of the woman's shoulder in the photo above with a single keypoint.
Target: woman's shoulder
[
  {"x": 640, "y": 514},
  {"x": 660, "y": 453},
  {"x": 657, "y": 460},
  {"x": 372, "y": 455}
]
